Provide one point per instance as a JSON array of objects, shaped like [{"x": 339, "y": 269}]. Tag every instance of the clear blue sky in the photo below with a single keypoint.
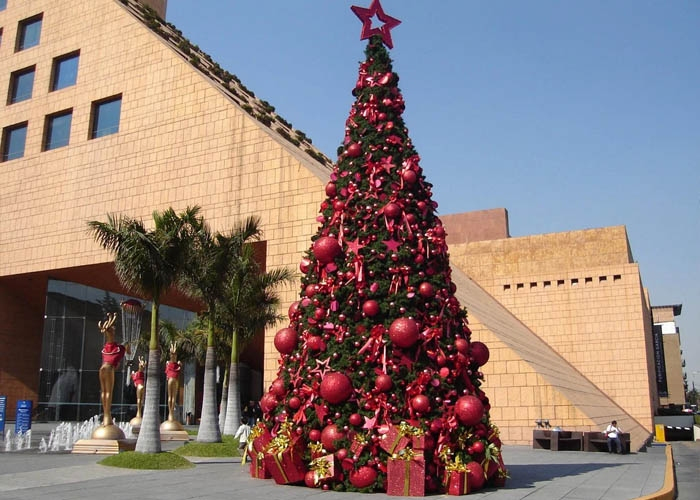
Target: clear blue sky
[{"x": 571, "y": 115}]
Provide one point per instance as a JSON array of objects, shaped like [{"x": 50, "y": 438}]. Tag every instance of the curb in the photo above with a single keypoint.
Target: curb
[{"x": 668, "y": 490}]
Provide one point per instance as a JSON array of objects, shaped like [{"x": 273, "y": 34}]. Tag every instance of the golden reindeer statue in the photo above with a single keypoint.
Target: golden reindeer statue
[{"x": 112, "y": 355}]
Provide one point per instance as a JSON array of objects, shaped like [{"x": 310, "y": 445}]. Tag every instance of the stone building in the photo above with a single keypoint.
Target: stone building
[{"x": 111, "y": 110}]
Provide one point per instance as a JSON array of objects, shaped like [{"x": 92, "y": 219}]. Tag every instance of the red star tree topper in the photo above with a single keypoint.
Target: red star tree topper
[
  {"x": 400, "y": 374},
  {"x": 366, "y": 15}
]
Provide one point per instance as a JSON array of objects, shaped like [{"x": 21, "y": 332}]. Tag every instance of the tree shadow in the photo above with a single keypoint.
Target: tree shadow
[{"x": 526, "y": 475}]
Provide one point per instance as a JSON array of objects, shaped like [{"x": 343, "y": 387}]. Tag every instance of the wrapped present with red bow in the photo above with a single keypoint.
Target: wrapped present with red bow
[
  {"x": 284, "y": 458},
  {"x": 316, "y": 449},
  {"x": 323, "y": 468},
  {"x": 258, "y": 469},
  {"x": 405, "y": 474},
  {"x": 456, "y": 479},
  {"x": 398, "y": 437}
]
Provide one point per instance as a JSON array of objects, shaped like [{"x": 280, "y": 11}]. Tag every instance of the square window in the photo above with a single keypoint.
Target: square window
[
  {"x": 105, "y": 117},
  {"x": 29, "y": 32},
  {"x": 64, "y": 72},
  {"x": 21, "y": 85},
  {"x": 57, "y": 130},
  {"x": 13, "y": 140}
]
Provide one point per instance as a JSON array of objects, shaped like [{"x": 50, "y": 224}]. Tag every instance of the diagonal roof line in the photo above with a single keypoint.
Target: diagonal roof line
[{"x": 555, "y": 369}]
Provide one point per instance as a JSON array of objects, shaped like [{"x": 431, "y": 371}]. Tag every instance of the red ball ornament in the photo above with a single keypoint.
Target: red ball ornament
[
  {"x": 326, "y": 249},
  {"x": 294, "y": 403},
  {"x": 370, "y": 307},
  {"x": 342, "y": 454},
  {"x": 421, "y": 403},
  {"x": 293, "y": 309},
  {"x": 278, "y": 387},
  {"x": 479, "y": 353},
  {"x": 426, "y": 290},
  {"x": 436, "y": 426},
  {"x": 475, "y": 476},
  {"x": 286, "y": 340},
  {"x": 409, "y": 176},
  {"x": 469, "y": 410},
  {"x": 314, "y": 435},
  {"x": 353, "y": 150},
  {"x": 331, "y": 190},
  {"x": 461, "y": 345},
  {"x": 355, "y": 419},
  {"x": 383, "y": 382},
  {"x": 310, "y": 479},
  {"x": 336, "y": 387},
  {"x": 315, "y": 343},
  {"x": 310, "y": 290},
  {"x": 304, "y": 265},
  {"x": 329, "y": 435},
  {"x": 392, "y": 210},
  {"x": 268, "y": 402},
  {"x": 478, "y": 447},
  {"x": 363, "y": 477},
  {"x": 403, "y": 332}
]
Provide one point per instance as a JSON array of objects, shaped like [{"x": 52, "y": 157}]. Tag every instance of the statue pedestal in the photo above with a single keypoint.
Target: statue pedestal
[
  {"x": 172, "y": 430},
  {"x": 103, "y": 446}
]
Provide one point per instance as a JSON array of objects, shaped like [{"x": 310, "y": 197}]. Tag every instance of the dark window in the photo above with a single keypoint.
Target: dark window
[
  {"x": 13, "y": 140},
  {"x": 29, "y": 32},
  {"x": 105, "y": 117},
  {"x": 57, "y": 130},
  {"x": 21, "y": 85},
  {"x": 0, "y": 35},
  {"x": 65, "y": 71}
]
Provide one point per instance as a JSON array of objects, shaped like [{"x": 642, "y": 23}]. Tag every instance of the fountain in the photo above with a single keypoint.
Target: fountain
[{"x": 18, "y": 441}]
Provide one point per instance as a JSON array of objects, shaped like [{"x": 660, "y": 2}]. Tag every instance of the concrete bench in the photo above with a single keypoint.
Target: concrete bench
[
  {"x": 598, "y": 441},
  {"x": 557, "y": 440}
]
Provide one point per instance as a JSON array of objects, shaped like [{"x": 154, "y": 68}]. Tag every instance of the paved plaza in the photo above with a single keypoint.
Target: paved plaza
[{"x": 535, "y": 475}]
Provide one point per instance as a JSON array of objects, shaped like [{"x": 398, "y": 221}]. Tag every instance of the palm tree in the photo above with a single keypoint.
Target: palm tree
[
  {"x": 147, "y": 263},
  {"x": 208, "y": 260},
  {"x": 249, "y": 305}
]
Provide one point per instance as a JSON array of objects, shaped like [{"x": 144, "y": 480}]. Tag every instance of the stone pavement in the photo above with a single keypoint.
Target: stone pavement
[{"x": 535, "y": 475}]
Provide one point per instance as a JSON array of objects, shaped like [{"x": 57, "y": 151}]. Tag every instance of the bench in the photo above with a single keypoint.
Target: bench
[
  {"x": 557, "y": 440},
  {"x": 598, "y": 441}
]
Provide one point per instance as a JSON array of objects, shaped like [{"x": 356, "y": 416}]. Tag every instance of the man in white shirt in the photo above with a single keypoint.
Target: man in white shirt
[{"x": 613, "y": 432}]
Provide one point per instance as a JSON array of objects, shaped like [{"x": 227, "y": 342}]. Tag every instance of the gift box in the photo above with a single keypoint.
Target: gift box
[
  {"x": 258, "y": 439},
  {"x": 359, "y": 442},
  {"x": 284, "y": 459},
  {"x": 323, "y": 468},
  {"x": 258, "y": 469},
  {"x": 316, "y": 450},
  {"x": 398, "y": 437},
  {"x": 405, "y": 474},
  {"x": 493, "y": 461},
  {"x": 456, "y": 478}
]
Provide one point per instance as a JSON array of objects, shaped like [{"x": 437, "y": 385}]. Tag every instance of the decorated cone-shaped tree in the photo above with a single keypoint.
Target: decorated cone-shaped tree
[{"x": 377, "y": 364}]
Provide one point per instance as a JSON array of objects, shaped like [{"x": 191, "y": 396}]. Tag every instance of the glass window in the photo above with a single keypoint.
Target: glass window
[
  {"x": 57, "y": 131},
  {"x": 105, "y": 117},
  {"x": 13, "y": 140},
  {"x": 21, "y": 85},
  {"x": 65, "y": 71},
  {"x": 29, "y": 32},
  {"x": 3, "y": 4}
]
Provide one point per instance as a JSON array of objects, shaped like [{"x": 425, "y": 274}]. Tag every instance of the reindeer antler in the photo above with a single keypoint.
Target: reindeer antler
[{"x": 104, "y": 326}]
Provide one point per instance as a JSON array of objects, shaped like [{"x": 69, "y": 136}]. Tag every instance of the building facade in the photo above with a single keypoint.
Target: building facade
[
  {"x": 111, "y": 110},
  {"x": 667, "y": 342}
]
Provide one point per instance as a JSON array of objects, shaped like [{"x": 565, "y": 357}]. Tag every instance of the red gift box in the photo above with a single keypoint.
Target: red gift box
[
  {"x": 259, "y": 438},
  {"x": 398, "y": 437},
  {"x": 258, "y": 469},
  {"x": 493, "y": 461},
  {"x": 359, "y": 441},
  {"x": 456, "y": 482},
  {"x": 284, "y": 459},
  {"x": 405, "y": 475}
]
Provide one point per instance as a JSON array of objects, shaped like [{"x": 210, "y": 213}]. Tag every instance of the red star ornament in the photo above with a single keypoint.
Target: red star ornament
[{"x": 366, "y": 16}]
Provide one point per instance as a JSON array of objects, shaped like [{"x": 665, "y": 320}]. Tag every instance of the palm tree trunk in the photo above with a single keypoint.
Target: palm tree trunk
[
  {"x": 149, "y": 435},
  {"x": 223, "y": 405},
  {"x": 233, "y": 407},
  {"x": 209, "y": 425}
]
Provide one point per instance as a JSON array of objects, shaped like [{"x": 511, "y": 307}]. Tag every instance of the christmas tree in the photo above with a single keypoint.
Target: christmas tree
[{"x": 379, "y": 382}]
